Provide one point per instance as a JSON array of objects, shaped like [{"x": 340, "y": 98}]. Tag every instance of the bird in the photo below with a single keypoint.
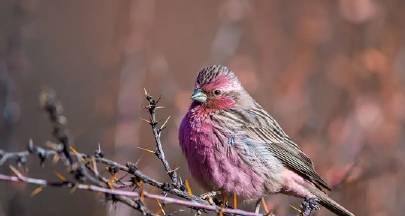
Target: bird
[{"x": 231, "y": 144}]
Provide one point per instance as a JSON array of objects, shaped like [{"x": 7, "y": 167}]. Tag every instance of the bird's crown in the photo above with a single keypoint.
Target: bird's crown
[{"x": 210, "y": 73}]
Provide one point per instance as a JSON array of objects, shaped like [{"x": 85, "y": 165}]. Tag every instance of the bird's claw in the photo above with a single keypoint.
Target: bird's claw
[
  {"x": 257, "y": 206},
  {"x": 209, "y": 196},
  {"x": 309, "y": 206}
]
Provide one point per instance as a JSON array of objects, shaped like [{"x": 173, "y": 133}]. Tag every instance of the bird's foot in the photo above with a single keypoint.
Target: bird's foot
[
  {"x": 209, "y": 196},
  {"x": 262, "y": 203},
  {"x": 309, "y": 206},
  {"x": 258, "y": 204}
]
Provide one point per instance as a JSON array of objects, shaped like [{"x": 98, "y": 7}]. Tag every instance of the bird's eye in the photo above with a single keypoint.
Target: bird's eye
[{"x": 217, "y": 92}]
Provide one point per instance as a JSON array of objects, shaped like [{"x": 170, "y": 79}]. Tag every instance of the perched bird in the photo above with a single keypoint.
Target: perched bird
[{"x": 233, "y": 145}]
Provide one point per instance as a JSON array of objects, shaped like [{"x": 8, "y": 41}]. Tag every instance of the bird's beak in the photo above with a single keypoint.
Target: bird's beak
[{"x": 199, "y": 95}]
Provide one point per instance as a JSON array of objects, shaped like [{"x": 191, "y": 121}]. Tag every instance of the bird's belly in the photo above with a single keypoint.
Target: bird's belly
[
  {"x": 217, "y": 169},
  {"x": 215, "y": 164}
]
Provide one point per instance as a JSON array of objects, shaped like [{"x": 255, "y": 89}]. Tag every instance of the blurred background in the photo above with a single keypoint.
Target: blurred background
[{"x": 331, "y": 71}]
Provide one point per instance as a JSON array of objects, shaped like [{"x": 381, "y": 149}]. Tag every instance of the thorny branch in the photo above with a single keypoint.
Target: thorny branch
[
  {"x": 122, "y": 183},
  {"x": 135, "y": 195},
  {"x": 157, "y": 132},
  {"x": 21, "y": 157}
]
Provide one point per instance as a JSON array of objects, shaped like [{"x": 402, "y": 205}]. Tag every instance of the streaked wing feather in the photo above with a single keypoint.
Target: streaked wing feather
[
  {"x": 287, "y": 151},
  {"x": 301, "y": 163}
]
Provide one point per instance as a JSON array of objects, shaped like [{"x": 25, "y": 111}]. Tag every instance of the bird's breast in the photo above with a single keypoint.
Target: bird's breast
[{"x": 214, "y": 162}]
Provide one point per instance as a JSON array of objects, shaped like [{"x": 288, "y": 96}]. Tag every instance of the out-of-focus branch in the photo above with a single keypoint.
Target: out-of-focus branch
[
  {"x": 22, "y": 156},
  {"x": 79, "y": 166},
  {"x": 10, "y": 107},
  {"x": 54, "y": 110},
  {"x": 349, "y": 171}
]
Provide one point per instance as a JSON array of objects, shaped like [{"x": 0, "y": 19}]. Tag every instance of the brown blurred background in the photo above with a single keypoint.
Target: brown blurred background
[{"x": 331, "y": 71}]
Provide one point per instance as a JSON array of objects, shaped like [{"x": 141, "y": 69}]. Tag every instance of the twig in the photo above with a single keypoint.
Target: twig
[
  {"x": 132, "y": 194},
  {"x": 130, "y": 168},
  {"x": 85, "y": 174},
  {"x": 133, "y": 170},
  {"x": 349, "y": 171},
  {"x": 157, "y": 131},
  {"x": 22, "y": 156},
  {"x": 65, "y": 184},
  {"x": 54, "y": 109},
  {"x": 79, "y": 168}
]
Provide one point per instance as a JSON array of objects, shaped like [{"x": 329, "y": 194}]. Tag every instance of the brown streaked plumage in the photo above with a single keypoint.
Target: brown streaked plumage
[{"x": 232, "y": 144}]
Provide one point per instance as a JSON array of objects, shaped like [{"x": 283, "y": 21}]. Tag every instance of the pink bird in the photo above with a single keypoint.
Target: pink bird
[{"x": 233, "y": 145}]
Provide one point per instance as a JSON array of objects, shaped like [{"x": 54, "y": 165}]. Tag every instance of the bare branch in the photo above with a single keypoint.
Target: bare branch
[
  {"x": 21, "y": 157},
  {"x": 84, "y": 169},
  {"x": 129, "y": 194},
  {"x": 123, "y": 183},
  {"x": 54, "y": 110}
]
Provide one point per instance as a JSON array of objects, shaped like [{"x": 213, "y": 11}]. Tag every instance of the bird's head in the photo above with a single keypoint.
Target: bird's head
[{"x": 217, "y": 88}]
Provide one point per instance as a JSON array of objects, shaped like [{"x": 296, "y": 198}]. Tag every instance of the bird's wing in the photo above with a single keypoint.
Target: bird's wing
[{"x": 266, "y": 130}]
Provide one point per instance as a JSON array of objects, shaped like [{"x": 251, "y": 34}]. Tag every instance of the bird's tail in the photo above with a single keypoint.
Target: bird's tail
[{"x": 330, "y": 204}]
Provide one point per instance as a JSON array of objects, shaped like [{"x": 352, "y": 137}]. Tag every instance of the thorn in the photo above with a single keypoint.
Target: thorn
[
  {"x": 173, "y": 170},
  {"x": 98, "y": 152},
  {"x": 235, "y": 201},
  {"x": 265, "y": 207},
  {"x": 95, "y": 169},
  {"x": 147, "y": 150},
  {"x": 296, "y": 209},
  {"x": 31, "y": 145},
  {"x": 16, "y": 172},
  {"x": 73, "y": 150},
  {"x": 110, "y": 183},
  {"x": 141, "y": 193},
  {"x": 122, "y": 177},
  {"x": 52, "y": 145},
  {"x": 74, "y": 188},
  {"x": 165, "y": 123},
  {"x": 60, "y": 176},
  {"x": 49, "y": 144},
  {"x": 160, "y": 107},
  {"x": 139, "y": 160},
  {"x": 224, "y": 199},
  {"x": 55, "y": 158},
  {"x": 161, "y": 207},
  {"x": 147, "y": 121},
  {"x": 188, "y": 188},
  {"x": 145, "y": 91},
  {"x": 158, "y": 99},
  {"x": 36, "y": 191}
]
